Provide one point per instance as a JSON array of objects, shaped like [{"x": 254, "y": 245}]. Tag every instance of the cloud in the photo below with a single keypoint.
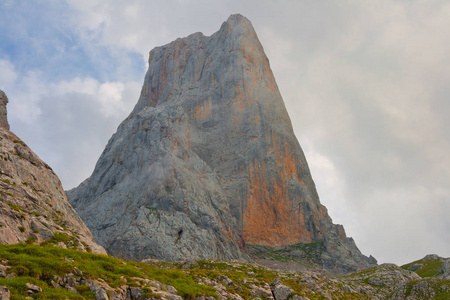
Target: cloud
[
  {"x": 8, "y": 74},
  {"x": 365, "y": 97},
  {"x": 68, "y": 123}
]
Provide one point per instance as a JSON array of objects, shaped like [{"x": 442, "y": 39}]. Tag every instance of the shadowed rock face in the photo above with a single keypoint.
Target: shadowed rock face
[
  {"x": 3, "y": 116},
  {"x": 33, "y": 204},
  {"x": 208, "y": 151}
]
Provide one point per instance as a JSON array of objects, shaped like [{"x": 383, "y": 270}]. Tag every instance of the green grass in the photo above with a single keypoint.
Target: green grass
[
  {"x": 310, "y": 253},
  {"x": 60, "y": 237},
  {"x": 37, "y": 264},
  {"x": 8, "y": 181},
  {"x": 19, "y": 142},
  {"x": 430, "y": 268}
]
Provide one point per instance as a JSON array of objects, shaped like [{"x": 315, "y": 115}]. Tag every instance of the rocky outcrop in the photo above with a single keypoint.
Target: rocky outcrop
[
  {"x": 4, "y": 293},
  {"x": 3, "y": 115},
  {"x": 207, "y": 162},
  {"x": 33, "y": 206},
  {"x": 445, "y": 269}
]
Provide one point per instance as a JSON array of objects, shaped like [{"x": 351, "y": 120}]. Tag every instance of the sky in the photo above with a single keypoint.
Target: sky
[{"x": 366, "y": 84}]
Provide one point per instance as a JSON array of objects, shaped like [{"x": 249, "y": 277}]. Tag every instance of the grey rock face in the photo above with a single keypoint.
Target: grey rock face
[
  {"x": 207, "y": 161},
  {"x": 4, "y": 293},
  {"x": 3, "y": 115},
  {"x": 280, "y": 291},
  {"x": 33, "y": 204},
  {"x": 445, "y": 269},
  {"x": 433, "y": 257}
]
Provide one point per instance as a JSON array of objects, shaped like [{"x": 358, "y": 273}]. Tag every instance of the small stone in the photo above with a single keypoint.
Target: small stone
[
  {"x": 226, "y": 281},
  {"x": 72, "y": 289},
  {"x": 61, "y": 245},
  {"x": 3, "y": 270},
  {"x": 297, "y": 297},
  {"x": 347, "y": 289},
  {"x": 362, "y": 290},
  {"x": 259, "y": 291},
  {"x": 4, "y": 293},
  {"x": 98, "y": 291},
  {"x": 32, "y": 288},
  {"x": 78, "y": 272},
  {"x": 170, "y": 289},
  {"x": 281, "y": 291},
  {"x": 135, "y": 293}
]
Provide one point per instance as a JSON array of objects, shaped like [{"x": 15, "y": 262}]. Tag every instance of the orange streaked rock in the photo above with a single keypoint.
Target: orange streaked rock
[
  {"x": 240, "y": 102},
  {"x": 270, "y": 218},
  {"x": 202, "y": 110}
]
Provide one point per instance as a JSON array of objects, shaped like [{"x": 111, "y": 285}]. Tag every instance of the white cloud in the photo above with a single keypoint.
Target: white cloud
[
  {"x": 67, "y": 122},
  {"x": 8, "y": 74},
  {"x": 370, "y": 99}
]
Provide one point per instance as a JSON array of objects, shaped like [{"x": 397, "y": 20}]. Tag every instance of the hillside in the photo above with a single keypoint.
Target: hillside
[{"x": 49, "y": 272}]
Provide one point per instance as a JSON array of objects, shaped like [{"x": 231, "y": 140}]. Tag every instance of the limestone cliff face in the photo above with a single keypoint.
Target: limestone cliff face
[
  {"x": 33, "y": 204},
  {"x": 206, "y": 161},
  {"x": 3, "y": 116}
]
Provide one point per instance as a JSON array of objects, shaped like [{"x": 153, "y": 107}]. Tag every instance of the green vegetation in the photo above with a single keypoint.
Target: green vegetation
[
  {"x": 37, "y": 264},
  {"x": 15, "y": 207},
  {"x": 31, "y": 240},
  {"x": 7, "y": 181},
  {"x": 430, "y": 268},
  {"x": 6, "y": 193},
  {"x": 301, "y": 253},
  {"x": 19, "y": 142}
]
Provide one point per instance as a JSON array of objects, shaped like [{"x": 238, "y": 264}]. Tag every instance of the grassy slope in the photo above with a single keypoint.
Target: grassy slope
[
  {"x": 430, "y": 268},
  {"x": 37, "y": 264}
]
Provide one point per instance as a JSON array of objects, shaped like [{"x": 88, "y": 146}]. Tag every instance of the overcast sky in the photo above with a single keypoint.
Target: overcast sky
[{"x": 366, "y": 84}]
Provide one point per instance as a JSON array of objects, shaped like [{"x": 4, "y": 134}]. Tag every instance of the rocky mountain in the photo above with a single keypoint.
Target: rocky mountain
[
  {"x": 207, "y": 162},
  {"x": 33, "y": 206}
]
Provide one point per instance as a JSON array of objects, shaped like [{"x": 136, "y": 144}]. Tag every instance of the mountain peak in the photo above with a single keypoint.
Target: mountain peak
[
  {"x": 3, "y": 113},
  {"x": 238, "y": 20},
  {"x": 239, "y": 27},
  {"x": 208, "y": 162}
]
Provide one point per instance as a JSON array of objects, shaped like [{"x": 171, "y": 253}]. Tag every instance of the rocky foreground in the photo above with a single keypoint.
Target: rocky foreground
[{"x": 50, "y": 272}]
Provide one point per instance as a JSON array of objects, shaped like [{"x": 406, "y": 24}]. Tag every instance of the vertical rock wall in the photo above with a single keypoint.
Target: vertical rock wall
[
  {"x": 209, "y": 148},
  {"x": 3, "y": 115}
]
